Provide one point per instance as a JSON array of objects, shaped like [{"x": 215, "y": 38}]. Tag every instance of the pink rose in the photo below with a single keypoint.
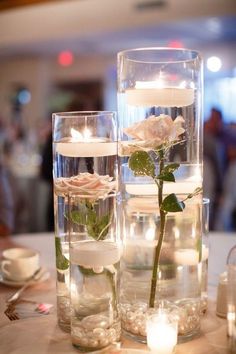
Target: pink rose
[
  {"x": 152, "y": 132},
  {"x": 85, "y": 185}
]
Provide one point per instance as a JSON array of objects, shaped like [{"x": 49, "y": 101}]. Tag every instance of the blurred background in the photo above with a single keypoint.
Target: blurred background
[{"x": 61, "y": 55}]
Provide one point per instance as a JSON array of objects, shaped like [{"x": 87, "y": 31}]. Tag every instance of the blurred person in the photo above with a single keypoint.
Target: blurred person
[
  {"x": 46, "y": 175},
  {"x": 219, "y": 147},
  {"x": 212, "y": 173},
  {"x": 232, "y": 148},
  {"x": 6, "y": 204},
  {"x": 225, "y": 136},
  {"x": 225, "y": 220}
]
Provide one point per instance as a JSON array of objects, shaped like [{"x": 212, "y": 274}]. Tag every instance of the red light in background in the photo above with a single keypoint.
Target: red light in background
[
  {"x": 175, "y": 44},
  {"x": 65, "y": 58}
]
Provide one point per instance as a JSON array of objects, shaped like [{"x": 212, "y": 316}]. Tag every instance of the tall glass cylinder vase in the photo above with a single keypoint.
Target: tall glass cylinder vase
[
  {"x": 160, "y": 149},
  {"x": 87, "y": 242}
]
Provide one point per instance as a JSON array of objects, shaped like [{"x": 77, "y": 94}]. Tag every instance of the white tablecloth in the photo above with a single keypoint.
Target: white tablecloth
[{"x": 42, "y": 335}]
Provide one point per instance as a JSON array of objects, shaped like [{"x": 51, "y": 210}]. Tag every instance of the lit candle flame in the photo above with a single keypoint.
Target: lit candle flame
[
  {"x": 150, "y": 234},
  {"x": 77, "y": 136}
]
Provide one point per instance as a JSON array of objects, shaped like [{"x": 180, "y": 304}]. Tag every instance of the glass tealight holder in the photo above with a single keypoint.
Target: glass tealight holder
[
  {"x": 231, "y": 300},
  {"x": 162, "y": 330}
]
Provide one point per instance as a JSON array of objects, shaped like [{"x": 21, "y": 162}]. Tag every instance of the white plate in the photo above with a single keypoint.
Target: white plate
[{"x": 18, "y": 284}]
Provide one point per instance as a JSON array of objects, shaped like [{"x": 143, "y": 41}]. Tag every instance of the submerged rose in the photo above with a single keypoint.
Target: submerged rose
[
  {"x": 152, "y": 132},
  {"x": 85, "y": 185}
]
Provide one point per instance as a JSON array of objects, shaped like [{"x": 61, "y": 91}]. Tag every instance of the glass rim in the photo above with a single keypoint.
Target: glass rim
[
  {"x": 205, "y": 200},
  {"x": 197, "y": 54},
  {"x": 74, "y": 114},
  {"x": 202, "y": 201}
]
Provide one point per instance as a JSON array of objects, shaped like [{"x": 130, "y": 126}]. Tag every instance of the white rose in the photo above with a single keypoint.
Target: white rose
[
  {"x": 85, "y": 185},
  {"x": 151, "y": 133}
]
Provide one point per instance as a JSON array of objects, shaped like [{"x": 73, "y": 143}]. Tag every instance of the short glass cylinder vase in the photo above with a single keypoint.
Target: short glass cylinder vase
[
  {"x": 87, "y": 242},
  {"x": 160, "y": 151}
]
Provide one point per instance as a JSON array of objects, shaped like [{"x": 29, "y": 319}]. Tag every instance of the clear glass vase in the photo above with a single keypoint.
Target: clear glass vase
[
  {"x": 205, "y": 253},
  {"x": 160, "y": 151},
  {"x": 87, "y": 242},
  {"x": 231, "y": 300}
]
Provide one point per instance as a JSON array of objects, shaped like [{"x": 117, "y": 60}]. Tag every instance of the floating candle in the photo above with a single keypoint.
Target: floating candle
[
  {"x": 160, "y": 97},
  {"x": 187, "y": 256},
  {"x": 92, "y": 147},
  {"x": 183, "y": 187},
  {"x": 94, "y": 254}
]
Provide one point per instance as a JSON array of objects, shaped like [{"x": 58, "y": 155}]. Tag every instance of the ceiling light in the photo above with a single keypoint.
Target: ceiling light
[
  {"x": 65, "y": 58},
  {"x": 214, "y": 64},
  {"x": 175, "y": 44}
]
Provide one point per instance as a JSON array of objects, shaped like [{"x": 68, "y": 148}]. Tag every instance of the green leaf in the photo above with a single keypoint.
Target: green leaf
[
  {"x": 167, "y": 172},
  {"x": 141, "y": 164},
  {"x": 103, "y": 226},
  {"x": 86, "y": 215},
  {"x": 61, "y": 262},
  {"x": 168, "y": 176},
  {"x": 172, "y": 204},
  {"x": 78, "y": 217},
  {"x": 172, "y": 167},
  {"x": 98, "y": 228},
  {"x": 91, "y": 217}
]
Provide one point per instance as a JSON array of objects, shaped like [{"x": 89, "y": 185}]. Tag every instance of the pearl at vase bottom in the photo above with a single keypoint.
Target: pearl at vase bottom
[{"x": 134, "y": 316}]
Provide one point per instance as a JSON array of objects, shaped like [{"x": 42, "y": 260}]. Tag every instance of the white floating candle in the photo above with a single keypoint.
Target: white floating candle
[
  {"x": 160, "y": 97},
  {"x": 186, "y": 256},
  {"x": 92, "y": 147},
  {"x": 94, "y": 254},
  {"x": 161, "y": 333},
  {"x": 183, "y": 187}
]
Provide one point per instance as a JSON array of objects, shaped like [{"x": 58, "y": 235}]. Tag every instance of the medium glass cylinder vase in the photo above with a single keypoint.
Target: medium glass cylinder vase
[
  {"x": 87, "y": 242},
  {"x": 160, "y": 150}
]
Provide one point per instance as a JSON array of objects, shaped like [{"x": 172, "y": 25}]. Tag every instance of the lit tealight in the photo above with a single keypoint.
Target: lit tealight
[{"x": 162, "y": 332}]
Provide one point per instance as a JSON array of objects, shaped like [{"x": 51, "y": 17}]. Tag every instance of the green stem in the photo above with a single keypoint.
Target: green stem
[
  {"x": 161, "y": 234},
  {"x": 111, "y": 276}
]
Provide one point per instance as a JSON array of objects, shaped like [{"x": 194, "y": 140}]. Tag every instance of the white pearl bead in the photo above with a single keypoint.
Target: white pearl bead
[
  {"x": 130, "y": 316},
  {"x": 143, "y": 332},
  {"x": 127, "y": 327},
  {"x": 99, "y": 333},
  {"x": 104, "y": 342},
  {"x": 77, "y": 332},
  {"x": 112, "y": 332},
  {"x": 83, "y": 342},
  {"x": 95, "y": 321},
  {"x": 93, "y": 343},
  {"x": 138, "y": 323},
  {"x": 135, "y": 329}
]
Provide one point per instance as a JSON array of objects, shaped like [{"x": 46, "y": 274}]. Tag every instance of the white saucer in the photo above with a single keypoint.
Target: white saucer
[{"x": 18, "y": 284}]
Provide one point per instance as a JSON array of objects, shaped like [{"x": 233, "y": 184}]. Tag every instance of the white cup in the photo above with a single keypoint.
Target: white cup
[{"x": 19, "y": 263}]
